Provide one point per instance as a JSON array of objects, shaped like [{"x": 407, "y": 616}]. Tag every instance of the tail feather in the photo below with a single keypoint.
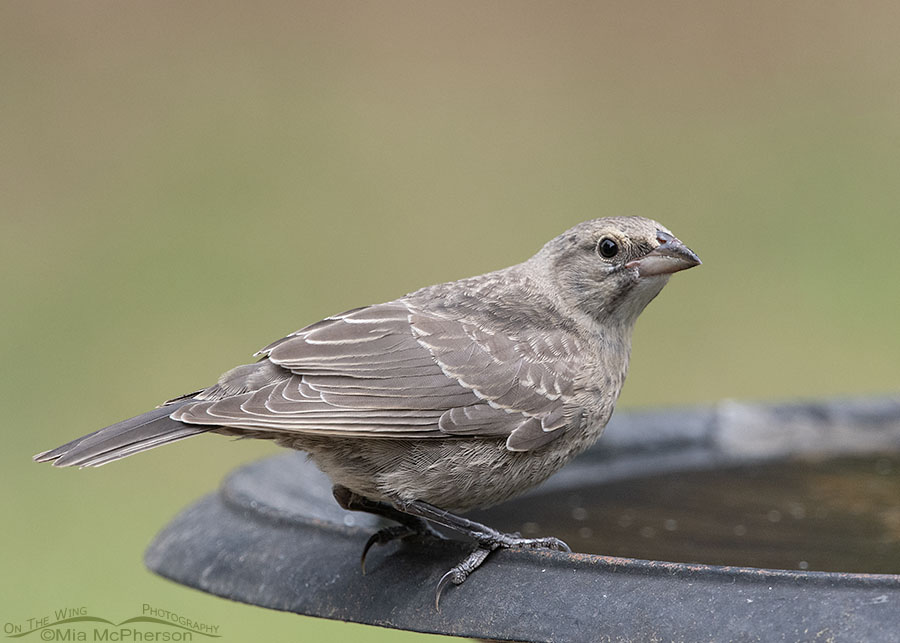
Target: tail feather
[{"x": 124, "y": 438}]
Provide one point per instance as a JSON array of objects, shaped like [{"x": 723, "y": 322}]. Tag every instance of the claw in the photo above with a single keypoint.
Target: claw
[
  {"x": 362, "y": 559},
  {"x": 550, "y": 543},
  {"x": 445, "y": 580},
  {"x": 383, "y": 536},
  {"x": 461, "y": 572}
]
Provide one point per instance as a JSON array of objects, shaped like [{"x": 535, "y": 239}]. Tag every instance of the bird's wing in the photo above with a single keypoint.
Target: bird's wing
[
  {"x": 525, "y": 383},
  {"x": 393, "y": 371}
]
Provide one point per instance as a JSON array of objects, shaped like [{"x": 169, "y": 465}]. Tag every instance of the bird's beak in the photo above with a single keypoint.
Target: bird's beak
[{"x": 669, "y": 256}]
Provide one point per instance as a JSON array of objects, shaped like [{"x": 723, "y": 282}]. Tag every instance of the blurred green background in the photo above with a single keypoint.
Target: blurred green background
[{"x": 181, "y": 183}]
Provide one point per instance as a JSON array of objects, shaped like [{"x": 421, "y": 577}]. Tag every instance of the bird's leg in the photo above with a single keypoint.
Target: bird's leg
[
  {"x": 488, "y": 540},
  {"x": 409, "y": 525},
  {"x": 482, "y": 534}
]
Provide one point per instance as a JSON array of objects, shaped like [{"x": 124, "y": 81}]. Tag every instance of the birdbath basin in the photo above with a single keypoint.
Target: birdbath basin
[{"x": 730, "y": 522}]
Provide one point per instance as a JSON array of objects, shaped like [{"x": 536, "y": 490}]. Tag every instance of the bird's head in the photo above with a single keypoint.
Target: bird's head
[{"x": 612, "y": 268}]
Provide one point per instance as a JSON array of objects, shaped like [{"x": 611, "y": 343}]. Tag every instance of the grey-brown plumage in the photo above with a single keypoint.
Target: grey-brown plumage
[{"x": 458, "y": 395}]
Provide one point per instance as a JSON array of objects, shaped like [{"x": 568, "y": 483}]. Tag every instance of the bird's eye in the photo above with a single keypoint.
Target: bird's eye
[{"x": 607, "y": 248}]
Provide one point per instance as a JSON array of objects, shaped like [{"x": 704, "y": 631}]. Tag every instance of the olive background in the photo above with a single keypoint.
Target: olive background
[{"x": 181, "y": 183}]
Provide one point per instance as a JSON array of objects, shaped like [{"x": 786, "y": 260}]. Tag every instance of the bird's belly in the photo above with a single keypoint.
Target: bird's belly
[{"x": 454, "y": 474}]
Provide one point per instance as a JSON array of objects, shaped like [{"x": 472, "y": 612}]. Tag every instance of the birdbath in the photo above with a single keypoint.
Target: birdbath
[{"x": 730, "y": 522}]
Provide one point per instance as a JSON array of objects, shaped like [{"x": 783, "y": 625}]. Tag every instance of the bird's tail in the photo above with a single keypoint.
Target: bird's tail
[{"x": 124, "y": 438}]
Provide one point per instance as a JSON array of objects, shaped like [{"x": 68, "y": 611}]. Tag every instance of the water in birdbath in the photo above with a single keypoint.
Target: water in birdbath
[{"x": 830, "y": 515}]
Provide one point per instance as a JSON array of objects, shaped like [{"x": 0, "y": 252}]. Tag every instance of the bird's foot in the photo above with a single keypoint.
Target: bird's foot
[
  {"x": 397, "y": 532},
  {"x": 461, "y": 572},
  {"x": 486, "y": 544},
  {"x": 488, "y": 540},
  {"x": 498, "y": 539},
  {"x": 409, "y": 525},
  {"x": 414, "y": 518}
]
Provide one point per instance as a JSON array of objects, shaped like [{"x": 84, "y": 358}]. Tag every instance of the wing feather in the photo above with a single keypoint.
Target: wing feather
[{"x": 393, "y": 371}]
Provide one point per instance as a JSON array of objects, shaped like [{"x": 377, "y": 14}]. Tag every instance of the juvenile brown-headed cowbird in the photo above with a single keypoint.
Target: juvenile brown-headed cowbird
[{"x": 456, "y": 396}]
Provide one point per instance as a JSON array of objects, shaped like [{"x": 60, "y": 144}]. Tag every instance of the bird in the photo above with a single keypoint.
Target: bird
[{"x": 456, "y": 396}]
